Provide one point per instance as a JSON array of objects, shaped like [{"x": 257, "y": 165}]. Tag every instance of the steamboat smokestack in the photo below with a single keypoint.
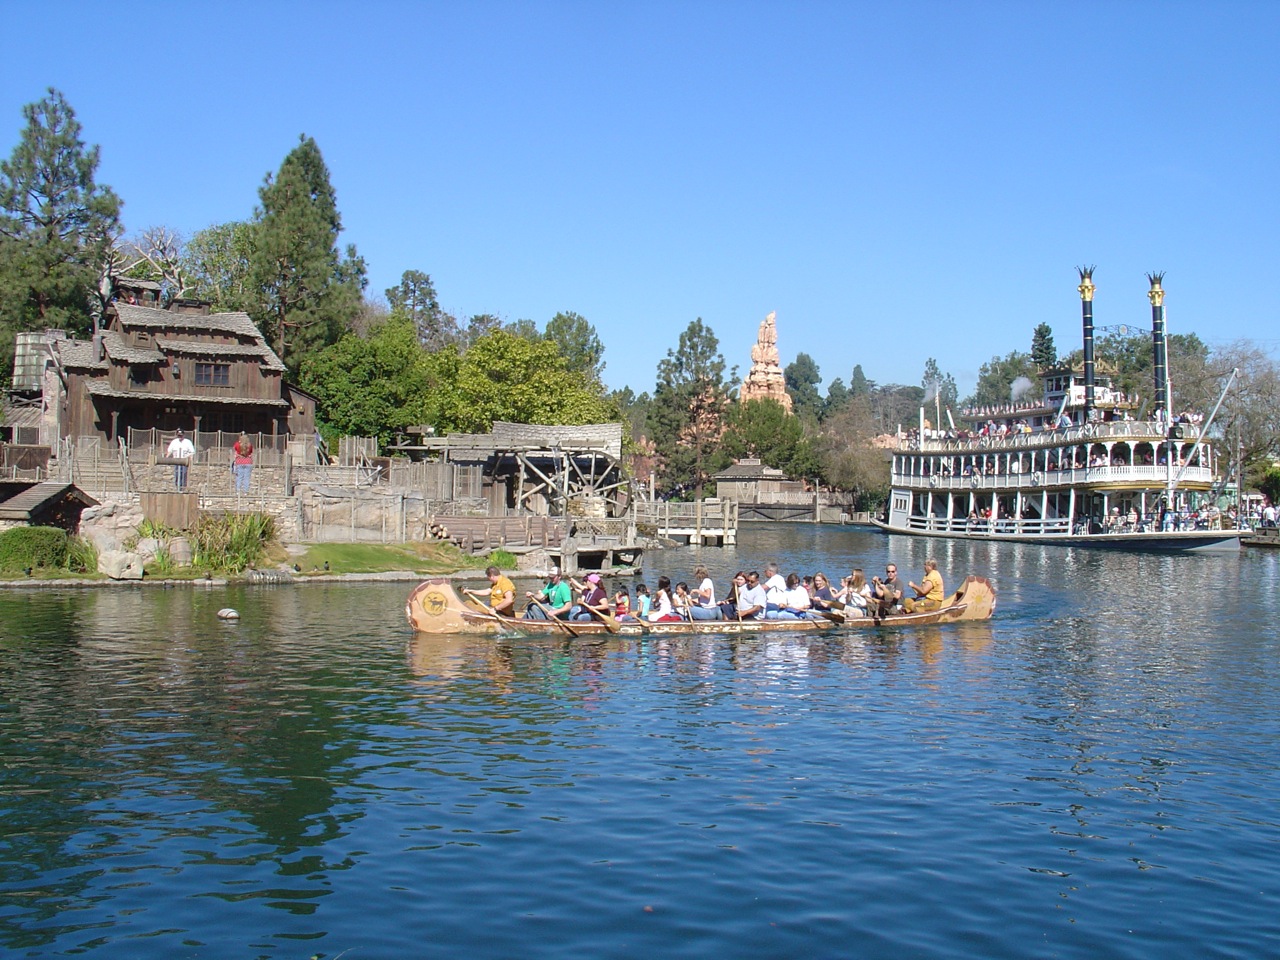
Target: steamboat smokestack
[
  {"x": 1086, "y": 289},
  {"x": 1160, "y": 350}
]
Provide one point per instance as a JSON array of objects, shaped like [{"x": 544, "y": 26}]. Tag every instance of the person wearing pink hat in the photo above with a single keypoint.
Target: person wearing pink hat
[{"x": 592, "y": 598}]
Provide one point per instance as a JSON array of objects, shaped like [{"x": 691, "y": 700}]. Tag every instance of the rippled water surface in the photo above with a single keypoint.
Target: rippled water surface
[{"x": 1091, "y": 774}]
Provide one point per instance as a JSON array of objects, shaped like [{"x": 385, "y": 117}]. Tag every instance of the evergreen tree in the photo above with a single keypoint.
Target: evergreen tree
[
  {"x": 1043, "y": 352},
  {"x": 579, "y": 344},
  {"x": 940, "y": 391},
  {"x": 802, "y": 379},
  {"x": 687, "y": 411},
  {"x": 859, "y": 385},
  {"x": 837, "y": 396},
  {"x": 57, "y": 225},
  {"x": 415, "y": 297},
  {"x": 310, "y": 294}
]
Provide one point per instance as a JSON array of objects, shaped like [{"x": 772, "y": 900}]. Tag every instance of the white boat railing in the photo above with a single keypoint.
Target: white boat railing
[
  {"x": 1152, "y": 431},
  {"x": 999, "y": 526},
  {"x": 1148, "y": 475}
]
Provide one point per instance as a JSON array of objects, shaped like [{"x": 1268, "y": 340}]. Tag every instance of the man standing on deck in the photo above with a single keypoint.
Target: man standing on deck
[{"x": 929, "y": 592}]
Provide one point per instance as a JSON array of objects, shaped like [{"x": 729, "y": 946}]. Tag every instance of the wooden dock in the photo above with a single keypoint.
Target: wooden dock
[{"x": 711, "y": 522}]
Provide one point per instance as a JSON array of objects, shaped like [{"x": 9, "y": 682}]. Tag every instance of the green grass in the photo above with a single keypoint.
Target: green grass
[{"x": 383, "y": 558}]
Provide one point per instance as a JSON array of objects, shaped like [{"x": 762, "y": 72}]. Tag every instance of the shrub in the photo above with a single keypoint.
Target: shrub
[
  {"x": 82, "y": 555},
  {"x": 232, "y": 542},
  {"x": 501, "y": 559},
  {"x": 23, "y": 547}
]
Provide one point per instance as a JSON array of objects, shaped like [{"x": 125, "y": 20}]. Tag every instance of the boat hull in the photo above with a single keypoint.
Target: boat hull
[
  {"x": 1179, "y": 541},
  {"x": 435, "y": 607}
]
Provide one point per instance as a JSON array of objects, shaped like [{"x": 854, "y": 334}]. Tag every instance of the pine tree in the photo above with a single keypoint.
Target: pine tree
[
  {"x": 802, "y": 378},
  {"x": 686, "y": 416},
  {"x": 309, "y": 293},
  {"x": 1043, "y": 352},
  {"x": 57, "y": 225}
]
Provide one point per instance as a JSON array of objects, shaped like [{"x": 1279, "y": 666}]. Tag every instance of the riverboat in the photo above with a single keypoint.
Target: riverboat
[
  {"x": 435, "y": 607},
  {"x": 1075, "y": 468}
]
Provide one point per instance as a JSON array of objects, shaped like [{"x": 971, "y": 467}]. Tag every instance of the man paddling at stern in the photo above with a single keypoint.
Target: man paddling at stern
[
  {"x": 502, "y": 592},
  {"x": 929, "y": 592}
]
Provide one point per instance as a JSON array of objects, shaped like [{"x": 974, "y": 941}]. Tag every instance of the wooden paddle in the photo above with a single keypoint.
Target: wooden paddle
[
  {"x": 553, "y": 618},
  {"x": 610, "y": 623}
]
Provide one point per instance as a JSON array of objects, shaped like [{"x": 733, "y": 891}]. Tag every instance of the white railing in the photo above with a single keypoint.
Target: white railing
[
  {"x": 1110, "y": 430},
  {"x": 1035, "y": 480}
]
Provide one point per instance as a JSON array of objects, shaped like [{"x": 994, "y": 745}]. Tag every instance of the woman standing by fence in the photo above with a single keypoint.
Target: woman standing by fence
[{"x": 242, "y": 463}]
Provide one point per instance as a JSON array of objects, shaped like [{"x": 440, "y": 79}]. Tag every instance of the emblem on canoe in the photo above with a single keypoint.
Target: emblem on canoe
[{"x": 434, "y": 603}]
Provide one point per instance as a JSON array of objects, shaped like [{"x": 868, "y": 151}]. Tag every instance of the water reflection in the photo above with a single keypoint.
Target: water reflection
[{"x": 1099, "y": 757}]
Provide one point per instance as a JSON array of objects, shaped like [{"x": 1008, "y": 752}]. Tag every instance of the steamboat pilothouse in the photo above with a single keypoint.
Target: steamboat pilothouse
[{"x": 1074, "y": 468}]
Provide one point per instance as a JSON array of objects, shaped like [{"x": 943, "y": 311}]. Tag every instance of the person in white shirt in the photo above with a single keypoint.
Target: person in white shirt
[
  {"x": 751, "y": 598},
  {"x": 184, "y": 451},
  {"x": 704, "y": 597},
  {"x": 775, "y": 589},
  {"x": 795, "y": 604}
]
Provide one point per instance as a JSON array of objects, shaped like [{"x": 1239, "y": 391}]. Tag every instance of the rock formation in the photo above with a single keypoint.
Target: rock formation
[{"x": 765, "y": 381}]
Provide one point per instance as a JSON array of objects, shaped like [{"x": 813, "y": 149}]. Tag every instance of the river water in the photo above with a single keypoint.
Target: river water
[{"x": 1093, "y": 773}]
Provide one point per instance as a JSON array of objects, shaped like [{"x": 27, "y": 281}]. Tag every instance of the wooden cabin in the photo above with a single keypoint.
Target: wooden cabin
[{"x": 183, "y": 366}]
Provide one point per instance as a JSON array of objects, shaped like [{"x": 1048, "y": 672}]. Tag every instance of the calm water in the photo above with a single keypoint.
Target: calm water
[{"x": 1091, "y": 774}]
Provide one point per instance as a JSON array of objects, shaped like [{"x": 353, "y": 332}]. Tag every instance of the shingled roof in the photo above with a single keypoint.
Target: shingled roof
[{"x": 235, "y": 323}]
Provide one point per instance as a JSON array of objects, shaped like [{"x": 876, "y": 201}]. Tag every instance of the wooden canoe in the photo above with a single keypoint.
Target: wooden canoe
[{"x": 435, "y": 607}]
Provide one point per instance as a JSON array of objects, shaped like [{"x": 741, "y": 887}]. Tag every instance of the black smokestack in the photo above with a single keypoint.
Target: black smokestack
[
  {"x": 1086, "y": 289},
  {"x": 1159, "y": 348}
]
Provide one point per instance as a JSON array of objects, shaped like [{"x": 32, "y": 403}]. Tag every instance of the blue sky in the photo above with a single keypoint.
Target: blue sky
[{"x": 896, "y": 180}]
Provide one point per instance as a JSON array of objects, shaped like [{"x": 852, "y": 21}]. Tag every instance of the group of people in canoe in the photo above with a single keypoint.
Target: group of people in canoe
[{"x": 749, "y": 597}]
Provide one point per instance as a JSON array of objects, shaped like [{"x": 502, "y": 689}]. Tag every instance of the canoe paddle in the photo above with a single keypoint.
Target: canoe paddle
[{"x": 553, "y": 618}]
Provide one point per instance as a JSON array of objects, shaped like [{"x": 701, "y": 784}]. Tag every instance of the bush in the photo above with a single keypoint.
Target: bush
[
  {"x": 34, "y": 547},
  {"x": 502, "y": 560},
  {"x": 233, "y": 542},
  {"x": 82, "y": 555}
]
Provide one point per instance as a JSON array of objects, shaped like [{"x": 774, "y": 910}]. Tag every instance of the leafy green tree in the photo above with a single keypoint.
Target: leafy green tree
[
  {"x": 503, "y": 376},
  {"x": 894, "y": 406},
  {"x": 57, "y": 225},
  {"x": 1043, "y": 352},
  {"x": 764, "y": 429},
  {"x": 996, "y": 378},
  {"x": 686, "y": 416},
  {"x": 310, "y": 293},
  {"x": 415, "y": 297},
  {"x": 578, "y": 343},
  {"x": 850, "y": 458},
  {"x": 802, "y": 379},
  {"x": 374, "y": 385},
  {"x": 218, "y": 264}
]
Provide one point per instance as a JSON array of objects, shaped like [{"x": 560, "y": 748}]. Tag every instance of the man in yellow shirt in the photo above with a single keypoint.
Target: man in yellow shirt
[
  {"x": 502, "y": 592},
  {"x": 929, "y": 592}
]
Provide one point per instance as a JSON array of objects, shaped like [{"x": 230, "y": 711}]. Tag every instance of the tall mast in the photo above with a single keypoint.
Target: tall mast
[
  {"x": 1086, "y": 289},
  {"x": 1160, "y": 348}
]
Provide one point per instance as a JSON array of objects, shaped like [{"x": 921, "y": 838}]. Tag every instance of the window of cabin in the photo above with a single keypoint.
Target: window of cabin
[{"x": 213, "y": 374}]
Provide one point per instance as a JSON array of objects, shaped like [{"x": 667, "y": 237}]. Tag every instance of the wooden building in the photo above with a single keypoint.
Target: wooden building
[{"x": 164, "y": 369}]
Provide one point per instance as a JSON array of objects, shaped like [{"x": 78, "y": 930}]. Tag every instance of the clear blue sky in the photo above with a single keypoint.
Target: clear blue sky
[{"x": 896, "y": 180}]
